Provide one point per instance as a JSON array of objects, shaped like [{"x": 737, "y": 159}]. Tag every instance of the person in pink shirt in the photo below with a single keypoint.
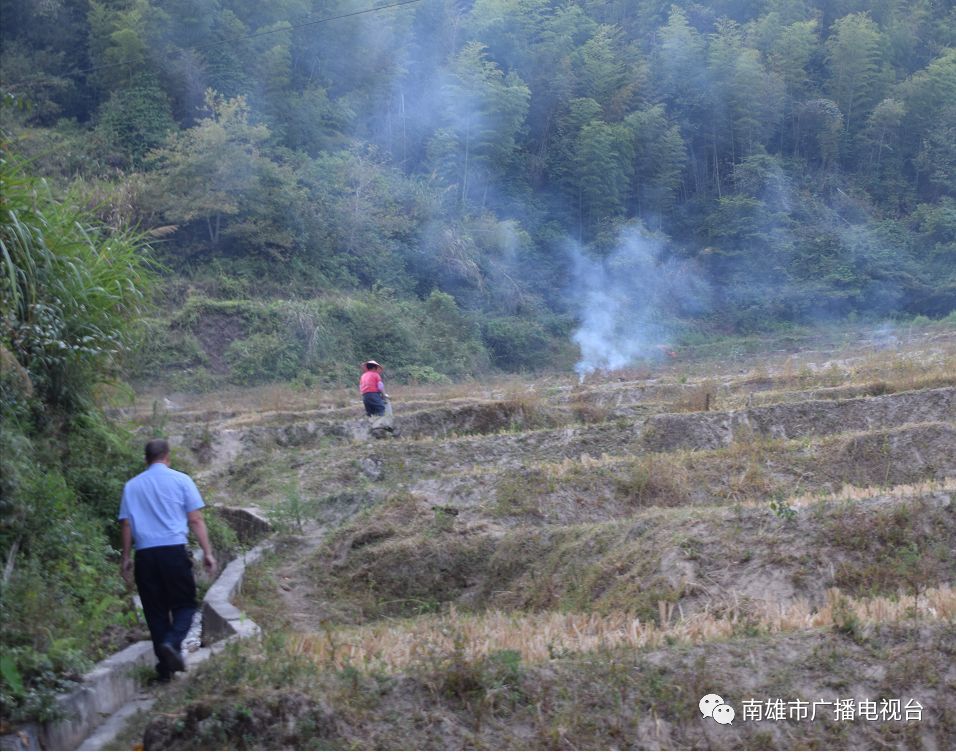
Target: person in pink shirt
[{"x": 373, "y": 389}]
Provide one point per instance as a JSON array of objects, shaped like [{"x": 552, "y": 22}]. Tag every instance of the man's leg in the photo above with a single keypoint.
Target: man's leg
[
  {"x": 180, "y": 593},
  {"x": 152, "y": 593}
]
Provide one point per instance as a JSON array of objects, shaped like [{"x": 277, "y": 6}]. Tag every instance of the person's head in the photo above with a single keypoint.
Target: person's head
[
  {"x": 157, "y": 450},
  {"x": 371, "y": 365}
]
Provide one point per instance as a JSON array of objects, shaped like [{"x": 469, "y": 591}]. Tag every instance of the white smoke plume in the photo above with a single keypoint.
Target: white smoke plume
[{"x": 629, "y": 302}]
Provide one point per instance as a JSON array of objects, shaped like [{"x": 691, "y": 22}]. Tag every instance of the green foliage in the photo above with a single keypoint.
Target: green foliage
[
  {"x": 853, "y": 54},
  {"x": 213, "y": 172},
  {"x": 70, "y": 290},
  {"x": 783, "y": 510},
  {"x": 59, "y": 555},
  {"x": 89, "y": 435},
  {"x": 452, "y": 340},
  {"x": 771, "y": 143},
  {"x": 222, "y": 536},
  {"x": 290, "y": 513},
  {"x": 483, "y": 110},
  {"x": 263, "y": 357},
  {"x": 425, "y": 375},
  {"x": 516, "y": 343},
  {"x": 135, "y": 120},
  {"x": 164, "y": 349}
]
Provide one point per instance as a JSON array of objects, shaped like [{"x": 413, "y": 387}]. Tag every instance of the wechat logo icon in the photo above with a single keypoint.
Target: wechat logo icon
[{"x": 713, "y": 706}]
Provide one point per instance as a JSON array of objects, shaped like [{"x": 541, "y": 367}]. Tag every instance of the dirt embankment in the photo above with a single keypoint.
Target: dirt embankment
[
  {"x": 790, "y": 421},
  {"x": 402, "y": 559},
  {"x": 587, "y": 490}
]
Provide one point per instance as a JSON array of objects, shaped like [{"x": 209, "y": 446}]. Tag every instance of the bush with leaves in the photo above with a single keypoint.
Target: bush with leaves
[{"x": 71, "y": 292}]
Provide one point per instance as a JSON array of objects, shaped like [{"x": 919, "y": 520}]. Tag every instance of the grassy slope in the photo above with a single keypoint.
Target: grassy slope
[{"x": 493, "y": 595}]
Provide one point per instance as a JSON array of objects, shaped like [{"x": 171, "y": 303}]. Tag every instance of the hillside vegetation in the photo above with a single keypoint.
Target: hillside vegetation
[
  {"x": 229, "y": 205},
  {"x": 458, "y": 187}
]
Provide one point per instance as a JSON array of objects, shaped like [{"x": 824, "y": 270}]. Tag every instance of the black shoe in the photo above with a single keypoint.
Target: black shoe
[{"x": 171, "y": 657}]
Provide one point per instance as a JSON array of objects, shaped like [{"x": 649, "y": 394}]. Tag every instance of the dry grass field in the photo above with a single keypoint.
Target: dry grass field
[{"x": 547, "y": 563}]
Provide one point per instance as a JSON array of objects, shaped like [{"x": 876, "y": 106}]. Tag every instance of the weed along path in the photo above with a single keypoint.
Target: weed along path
[{"x": 565, "y": 565}]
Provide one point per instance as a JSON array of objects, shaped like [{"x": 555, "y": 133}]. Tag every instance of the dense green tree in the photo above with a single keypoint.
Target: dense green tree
[
  {"x": 680, "y": 64},
  {"x": 884, "y": 137},
  {"x": 854, "y": 57},
  {"x": 608, "y": 72},
  {"x": 209, "y": 174},
  {"x": 122, "y": 41},
  {"x": 395, "y": 148},
  {"x": 660, "y": 157},
  {"x": 134, "y": 120},
  {"x": 820, "y": 125},
  {"x": 745, "y": 100},
  {"x": 483, "y": 109},
  {"x": 603, "y": 164},
  {"x": 928, "y": 97}
]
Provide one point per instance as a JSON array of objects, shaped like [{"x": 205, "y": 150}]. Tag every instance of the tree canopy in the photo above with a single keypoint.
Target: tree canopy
[{"x": 795, "y": 150}]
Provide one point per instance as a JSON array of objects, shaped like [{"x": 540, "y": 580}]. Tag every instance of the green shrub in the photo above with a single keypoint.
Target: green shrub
[
  {"x": 452, "y": 341},
  {"x": 516, "y": 343},
  {"x": 194, "y": 380},
  {"x": 90, "y": 436},
  {"x": 225, "y": 543},
  {"x": 252, "y": 313},
  {"x": 423, "y": 375},
  {"x": 70, "y": 293},
  {"x": 382, "y": 329},
  {"x": 263, "y": 357},
  {"x": 290, "y": 513},
  {"x": 64, "y": 606},
  {"x": 164, "y": 348}
]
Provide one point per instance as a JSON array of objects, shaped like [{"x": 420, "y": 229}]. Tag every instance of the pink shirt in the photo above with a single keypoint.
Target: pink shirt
[{"x": 371, "y": 382}]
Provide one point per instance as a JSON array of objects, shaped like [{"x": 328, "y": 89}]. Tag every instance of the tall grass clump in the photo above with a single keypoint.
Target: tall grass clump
[{"x": 71, "y": 291}]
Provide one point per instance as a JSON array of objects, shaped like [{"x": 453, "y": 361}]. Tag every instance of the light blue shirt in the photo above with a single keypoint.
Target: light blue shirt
[{"x": 156, "y": 503}]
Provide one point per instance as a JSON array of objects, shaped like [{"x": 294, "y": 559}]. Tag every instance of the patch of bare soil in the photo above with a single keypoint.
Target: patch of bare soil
[
  {"x": 301, "y": 606},
  {"x": 216, "y": 331}
]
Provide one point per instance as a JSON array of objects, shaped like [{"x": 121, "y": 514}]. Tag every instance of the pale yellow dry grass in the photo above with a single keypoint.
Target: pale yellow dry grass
[
  {"x": 539, "y": 636},
  {"x": 857, "y": 493}
]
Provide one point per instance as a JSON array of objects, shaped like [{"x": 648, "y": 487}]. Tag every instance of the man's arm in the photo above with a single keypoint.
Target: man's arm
[
  {"x": 198, "y": 525},
  {"x": 126, "y": 563}
]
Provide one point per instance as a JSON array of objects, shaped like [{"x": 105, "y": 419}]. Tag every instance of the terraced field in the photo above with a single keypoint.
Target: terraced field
[{"x": 544, "y": 563}]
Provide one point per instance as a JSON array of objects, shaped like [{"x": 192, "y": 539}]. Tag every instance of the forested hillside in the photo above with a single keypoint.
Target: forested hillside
[
  {"x": 452, "y": 186},
  {"x": 197, "y": 194}
]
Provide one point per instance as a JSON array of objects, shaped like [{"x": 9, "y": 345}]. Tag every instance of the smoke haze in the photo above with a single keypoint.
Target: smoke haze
[{"x": 629, "y": 302}]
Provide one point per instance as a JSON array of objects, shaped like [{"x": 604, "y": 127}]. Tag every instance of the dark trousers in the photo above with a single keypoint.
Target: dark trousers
[
  {"x": 374, "y": 403},
  {"x": 167, "y": 588}
]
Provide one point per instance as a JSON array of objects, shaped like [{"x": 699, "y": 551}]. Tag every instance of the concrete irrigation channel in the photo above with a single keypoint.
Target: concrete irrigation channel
[{"x": 92, "y": 714}]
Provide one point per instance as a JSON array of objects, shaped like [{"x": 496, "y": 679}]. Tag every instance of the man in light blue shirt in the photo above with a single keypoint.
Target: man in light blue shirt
[{"x": 159, "y": 506}]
